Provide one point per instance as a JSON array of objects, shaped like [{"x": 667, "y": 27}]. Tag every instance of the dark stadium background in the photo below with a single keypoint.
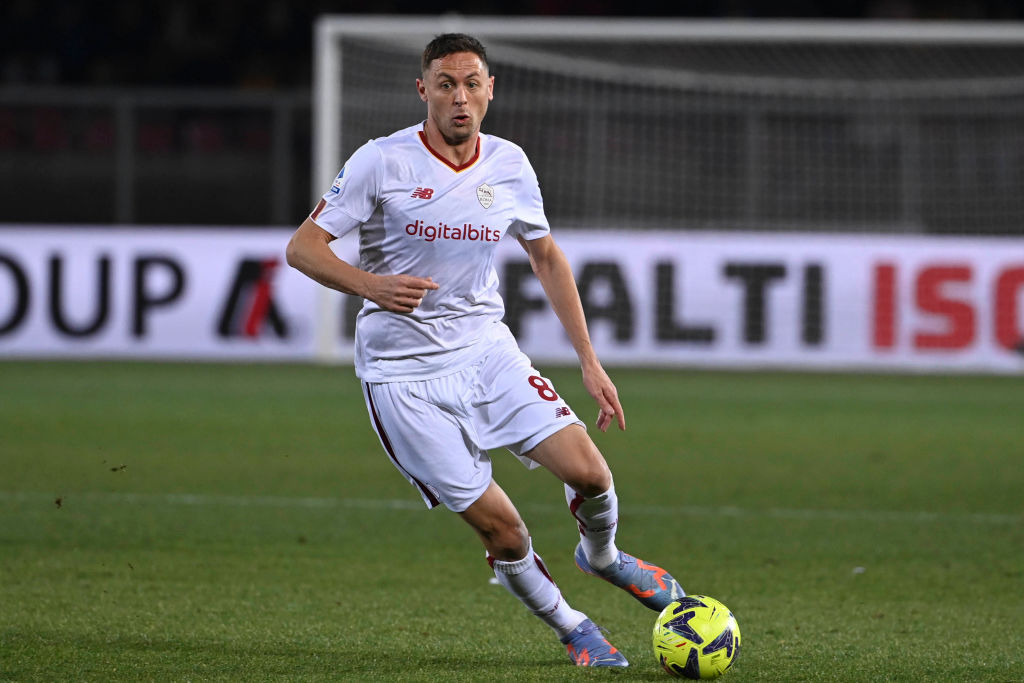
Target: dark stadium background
[
  {"x": 266, "y": 44},
  {"x": 65, "y": 66}
]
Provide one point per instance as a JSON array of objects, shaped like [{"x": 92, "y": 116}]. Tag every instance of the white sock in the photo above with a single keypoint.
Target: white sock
[
  {"x": 529, "y": 581},
  {"x": 597, "y": 518}
]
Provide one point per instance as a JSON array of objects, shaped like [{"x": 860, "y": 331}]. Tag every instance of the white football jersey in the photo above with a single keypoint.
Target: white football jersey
[{"x": 417, "y": 214}]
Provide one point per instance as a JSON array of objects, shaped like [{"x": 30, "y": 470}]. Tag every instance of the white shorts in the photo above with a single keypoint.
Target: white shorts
[{"x": 437, "y": 432}]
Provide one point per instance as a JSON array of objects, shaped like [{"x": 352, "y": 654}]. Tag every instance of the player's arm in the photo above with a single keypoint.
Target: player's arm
[
  {"x": 310, "y": 253},
  {"x": 555, "y": 274}
]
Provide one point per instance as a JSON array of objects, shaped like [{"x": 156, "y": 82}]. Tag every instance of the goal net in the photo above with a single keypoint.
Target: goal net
[
  {"x": 822, "y": 143},
  {"x": 882, "y": 127}
]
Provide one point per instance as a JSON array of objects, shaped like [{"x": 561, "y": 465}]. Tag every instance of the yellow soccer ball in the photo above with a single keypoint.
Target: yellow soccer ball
[{"x": 696, "y": 637}]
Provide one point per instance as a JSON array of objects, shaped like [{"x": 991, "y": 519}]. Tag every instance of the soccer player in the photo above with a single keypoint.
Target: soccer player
[{"x": 443, "y": 378}]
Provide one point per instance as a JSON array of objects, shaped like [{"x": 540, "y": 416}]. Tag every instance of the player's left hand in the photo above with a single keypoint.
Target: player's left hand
[{"x": 600, "y": 386}]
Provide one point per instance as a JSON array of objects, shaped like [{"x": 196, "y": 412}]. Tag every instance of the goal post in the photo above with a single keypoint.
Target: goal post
[
  {"x": 766, "y": 127},
  {"x": 407, "y": 35}
]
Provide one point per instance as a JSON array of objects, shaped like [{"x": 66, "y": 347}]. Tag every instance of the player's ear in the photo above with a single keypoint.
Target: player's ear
[
  {"x": 490, "y": 88},
  {"x": 421, "y": 88}
]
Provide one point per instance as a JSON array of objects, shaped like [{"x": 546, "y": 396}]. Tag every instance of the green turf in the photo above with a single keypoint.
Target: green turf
[{"x": 173, "y": 522}]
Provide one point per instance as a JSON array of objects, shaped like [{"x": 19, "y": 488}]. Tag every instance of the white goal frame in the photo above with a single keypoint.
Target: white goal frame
[
  {"x": 330, "y": 30},
  {"x": 327, "y": 154}
]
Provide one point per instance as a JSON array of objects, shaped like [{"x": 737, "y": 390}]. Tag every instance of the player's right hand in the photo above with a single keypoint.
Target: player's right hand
[{"x": 399, "y": 293}]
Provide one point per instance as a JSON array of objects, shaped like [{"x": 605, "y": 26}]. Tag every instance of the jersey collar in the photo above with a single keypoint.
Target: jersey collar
[{"x": 457, "y": 169}]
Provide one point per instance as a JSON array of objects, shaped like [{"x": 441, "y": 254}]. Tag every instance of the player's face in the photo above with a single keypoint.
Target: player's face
[{"x": 457, "y": 88}]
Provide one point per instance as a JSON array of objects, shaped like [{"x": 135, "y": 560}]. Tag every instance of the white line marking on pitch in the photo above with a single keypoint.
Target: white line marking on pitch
[{"x": 205, "y": 500}]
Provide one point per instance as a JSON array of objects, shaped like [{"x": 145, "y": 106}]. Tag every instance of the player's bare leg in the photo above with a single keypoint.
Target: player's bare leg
[
  {"x": 572, "y": 457},
  {"x": 497, "y": 522},
  {"x": 522, "y": 572}
]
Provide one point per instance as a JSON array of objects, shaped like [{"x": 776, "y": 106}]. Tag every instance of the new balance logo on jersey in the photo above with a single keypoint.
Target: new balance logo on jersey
[
  {"x": 562, "y": 412},
  {"x": 422, "y": 193}
]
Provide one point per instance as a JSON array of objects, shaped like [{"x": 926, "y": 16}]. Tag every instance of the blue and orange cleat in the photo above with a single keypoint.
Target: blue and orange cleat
[
  {"x": 587, "y": 646},
  {"x": 648, "y": 583}
]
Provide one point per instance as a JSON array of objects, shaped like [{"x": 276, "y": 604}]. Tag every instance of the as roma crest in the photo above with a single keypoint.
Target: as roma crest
[{"x": 485, "y": 195}]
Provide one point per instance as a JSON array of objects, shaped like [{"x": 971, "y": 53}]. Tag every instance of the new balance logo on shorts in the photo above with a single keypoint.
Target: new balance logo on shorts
[{"x": 561, "y": 412}]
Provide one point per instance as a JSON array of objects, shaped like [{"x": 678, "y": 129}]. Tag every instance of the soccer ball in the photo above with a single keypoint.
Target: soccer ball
[{"x": 696, "y": 637}]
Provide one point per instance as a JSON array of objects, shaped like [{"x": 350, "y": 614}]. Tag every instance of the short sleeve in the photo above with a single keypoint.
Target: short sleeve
[
  {"x": 529, "y": 221},
  {"x": 353, "y": 196}
]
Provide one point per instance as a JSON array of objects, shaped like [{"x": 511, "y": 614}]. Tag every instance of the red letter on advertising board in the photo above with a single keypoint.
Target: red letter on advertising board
[
  {"x": 1008, "y": 288},
  {"x": 885, "y": 306},
  {"x": 959, "y": 314}
]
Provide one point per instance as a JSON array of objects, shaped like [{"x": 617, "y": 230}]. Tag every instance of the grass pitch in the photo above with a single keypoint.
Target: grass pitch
[{"x": 240, "y": 522}]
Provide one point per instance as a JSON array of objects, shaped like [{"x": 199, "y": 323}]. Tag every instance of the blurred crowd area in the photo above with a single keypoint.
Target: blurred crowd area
[{"x": 266, "y": 44}]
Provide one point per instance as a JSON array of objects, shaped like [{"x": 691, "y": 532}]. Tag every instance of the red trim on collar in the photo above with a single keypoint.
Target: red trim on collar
[{"x": 463, "y": 167}]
